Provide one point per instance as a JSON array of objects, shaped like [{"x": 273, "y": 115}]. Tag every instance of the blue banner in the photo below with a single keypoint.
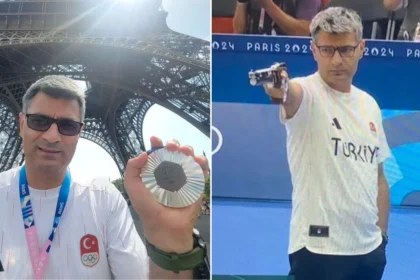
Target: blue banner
[{"x": 249, "y": 143}]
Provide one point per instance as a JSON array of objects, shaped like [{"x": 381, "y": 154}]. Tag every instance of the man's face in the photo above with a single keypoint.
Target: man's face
[
  {"x": 333, "y": 67},
  {"x": 49, "y": 151}
]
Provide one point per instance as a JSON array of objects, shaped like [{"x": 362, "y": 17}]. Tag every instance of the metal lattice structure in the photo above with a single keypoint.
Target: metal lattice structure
[{"x": 125, "y": 52}]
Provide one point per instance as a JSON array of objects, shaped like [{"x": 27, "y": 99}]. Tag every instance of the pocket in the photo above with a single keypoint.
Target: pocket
[
  {"x": 380, "y": 253},
  {"x": 298, "y": 252},
  {"x": 376, "y": 258}
]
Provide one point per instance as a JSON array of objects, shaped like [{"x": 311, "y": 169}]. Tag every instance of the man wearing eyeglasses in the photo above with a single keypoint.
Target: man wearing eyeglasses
[
  {"x": 336, "y": 147},
  {"x": 53, "y": 227}
]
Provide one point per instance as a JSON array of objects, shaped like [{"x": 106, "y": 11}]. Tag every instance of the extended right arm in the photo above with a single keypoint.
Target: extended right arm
[
  {"x": 293, "y": 100},
  {"x": 240, "y": 18}
]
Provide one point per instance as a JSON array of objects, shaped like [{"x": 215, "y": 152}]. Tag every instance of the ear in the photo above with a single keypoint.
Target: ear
[
  {"x": 83, "y": 127},
  {"x": 80, "y": 133},
  {"x": 362, "y": 47},
  {"x": 313, "y": 49},
  {"x": 21, "y": 124}
]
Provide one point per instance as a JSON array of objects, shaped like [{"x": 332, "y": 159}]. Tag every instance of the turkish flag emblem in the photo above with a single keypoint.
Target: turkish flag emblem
[
  {"x": 372, "y": 127},
  {"x": 89, "y": 250}
]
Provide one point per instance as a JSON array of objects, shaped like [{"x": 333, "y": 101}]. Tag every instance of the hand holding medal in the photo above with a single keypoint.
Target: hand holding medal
[{"x": 166, "y": 186}]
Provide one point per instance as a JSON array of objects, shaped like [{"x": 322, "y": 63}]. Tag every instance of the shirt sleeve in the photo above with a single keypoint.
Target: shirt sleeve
[
  {"x": 307, "y": 9},
  {"x": 302, "y": 114},
  {"x": 127, "y": 255}
]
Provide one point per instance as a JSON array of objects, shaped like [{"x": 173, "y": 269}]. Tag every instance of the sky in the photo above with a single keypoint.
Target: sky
[{"x": 190, "y": 17}]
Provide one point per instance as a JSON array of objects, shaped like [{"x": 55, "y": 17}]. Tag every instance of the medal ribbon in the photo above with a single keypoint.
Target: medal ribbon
[{"x": 39, "y": 259}]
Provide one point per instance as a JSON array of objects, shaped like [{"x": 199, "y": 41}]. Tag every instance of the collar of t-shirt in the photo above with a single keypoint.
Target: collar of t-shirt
[
  {"x": 40, "y": 194},
  {"x": 339, "y": 95}
]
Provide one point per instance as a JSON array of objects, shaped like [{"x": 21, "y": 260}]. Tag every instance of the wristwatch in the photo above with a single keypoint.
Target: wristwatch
[
  {"x": 196, "y": 259},
  {"x": 275, "y": 100},
  {"x": 385, "y": 237}
]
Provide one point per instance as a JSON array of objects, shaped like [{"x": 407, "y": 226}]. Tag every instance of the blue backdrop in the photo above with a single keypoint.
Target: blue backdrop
[{"x": 249, "y": 143}]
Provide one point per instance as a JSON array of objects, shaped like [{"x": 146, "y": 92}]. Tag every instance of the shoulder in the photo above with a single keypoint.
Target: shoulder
[
  {"x": 368, "y": 103},
  {"x": 311, "y": 78},
  {"x": 365, "y": 98},
  {"x": 363, "y": 94},
  {"x": 102, "y": 195},
  {"x": 104, "y": 200},
  {"x": 308, "y": 83},
  {"x": 99, "y": 187},
  {"x": 9, "y": 177}
]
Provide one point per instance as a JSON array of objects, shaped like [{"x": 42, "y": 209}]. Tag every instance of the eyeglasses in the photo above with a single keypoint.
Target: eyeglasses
[
  {"x": 344, "y": 51},
  {"x": 66, "y": 127}
]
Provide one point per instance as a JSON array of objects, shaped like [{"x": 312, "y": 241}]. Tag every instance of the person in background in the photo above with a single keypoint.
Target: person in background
[
  {"x": 275, "y": 17},
  {"x": 411, "y": 18}
]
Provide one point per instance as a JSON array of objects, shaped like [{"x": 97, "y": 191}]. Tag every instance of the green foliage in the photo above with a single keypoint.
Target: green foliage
[
  {"x": 207, "y": 190},
  {"x": 119, "y": 184}
]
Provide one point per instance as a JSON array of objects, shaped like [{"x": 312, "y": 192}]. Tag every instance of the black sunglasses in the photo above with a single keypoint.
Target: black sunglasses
[{"x": 66, "y": 127}]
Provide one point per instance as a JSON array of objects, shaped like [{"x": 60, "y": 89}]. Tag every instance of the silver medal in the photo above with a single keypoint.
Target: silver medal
[{"x": 174, "y": 179}]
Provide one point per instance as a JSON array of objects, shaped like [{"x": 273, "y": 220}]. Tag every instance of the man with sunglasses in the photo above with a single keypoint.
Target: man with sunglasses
[
  {"x": 336, "y": 147},
  {"x": 53, "y": 227}
]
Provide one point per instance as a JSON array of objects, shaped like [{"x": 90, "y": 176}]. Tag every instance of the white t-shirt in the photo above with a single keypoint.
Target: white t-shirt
[
  {"x": 335, "y": 142},
  {"x": 95, "y": 216}
]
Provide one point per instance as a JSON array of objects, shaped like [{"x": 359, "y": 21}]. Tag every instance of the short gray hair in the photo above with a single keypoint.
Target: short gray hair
[
  {"x": 59, "y": 87},
  {"x": 336, "y": 20}
]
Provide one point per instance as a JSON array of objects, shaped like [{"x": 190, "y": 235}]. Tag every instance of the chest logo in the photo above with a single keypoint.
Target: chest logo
[
  {"x": 336, "y": 123},
  {"x": 89, "y": 250}
]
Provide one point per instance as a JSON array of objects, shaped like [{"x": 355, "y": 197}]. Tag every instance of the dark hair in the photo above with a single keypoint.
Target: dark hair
[{"x": 59, "y": 87}]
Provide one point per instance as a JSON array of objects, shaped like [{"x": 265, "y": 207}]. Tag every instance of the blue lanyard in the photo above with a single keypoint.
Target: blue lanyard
[
  {"x": 153, "y": 150},
  {"x": 25, "y": 200}
]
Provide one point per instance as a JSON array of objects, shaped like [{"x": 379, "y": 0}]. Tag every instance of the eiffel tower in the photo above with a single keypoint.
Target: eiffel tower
[{"x": 124, "y": 51}]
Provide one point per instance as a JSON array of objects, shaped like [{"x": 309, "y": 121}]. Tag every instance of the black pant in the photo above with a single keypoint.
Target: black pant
[{"x": 305, "y": 265}]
